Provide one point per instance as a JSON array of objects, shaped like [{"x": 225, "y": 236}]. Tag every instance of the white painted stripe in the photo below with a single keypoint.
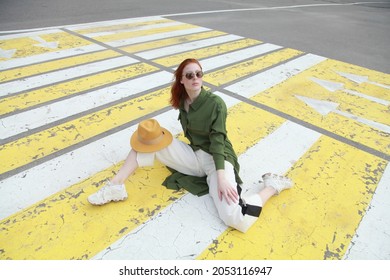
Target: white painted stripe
[
  {"x": 85, "y": 25},
  {"x": 369, "y": 97},
  {"x": 44, "y": 115},
  {"x": 22, "y": 61},
  {"x": 158, "y": 36},
  {"x": 271, "y": 8},
  {"x": 375, "y": 125},
  {"x": 187, "y": 46},
  {"x": 133, "y": 29},
  {"x": 188, "y": 226},
  {"x": 90, "y": 25},
  {"x": 63, "y": 75},
  {"x": 29, "y": 34},
  {"x": 275, "y": 75},
  {"x": 236, "y": 56},
  {"x": 375, "y": 226}
]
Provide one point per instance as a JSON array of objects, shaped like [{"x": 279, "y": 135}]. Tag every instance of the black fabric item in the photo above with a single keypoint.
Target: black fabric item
[{"x": 247, "y": 209}]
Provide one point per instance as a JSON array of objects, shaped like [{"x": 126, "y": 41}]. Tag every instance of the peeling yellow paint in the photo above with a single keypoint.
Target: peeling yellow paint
[
  {"x": 229, "y": 74},
  {"x": 38, "y": 145},
  {"x": 283, "y": 97},
  {"x": 171, "y": 41},
  {"x": 36, "y": 69},
  {"x": 121, "y": 27},
  {"x": 317, "y": 218},
  {"x": 139, "y": 33},
  {"x": 53, "y": 92},
  {"x": 51, "y": 228},
  {"x": 170, "y": 61},
  {"x": 27, "y": 46}
]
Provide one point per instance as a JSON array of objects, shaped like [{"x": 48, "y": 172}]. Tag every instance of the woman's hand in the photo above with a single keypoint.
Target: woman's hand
[{"x": 225, "y": 189}]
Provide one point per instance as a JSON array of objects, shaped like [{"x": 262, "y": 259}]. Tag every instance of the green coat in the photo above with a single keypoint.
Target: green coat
[{"x": 205, "y": 127}]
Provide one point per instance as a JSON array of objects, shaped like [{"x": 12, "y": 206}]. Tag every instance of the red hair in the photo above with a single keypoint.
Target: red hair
[{"x": 178, "y": 91}]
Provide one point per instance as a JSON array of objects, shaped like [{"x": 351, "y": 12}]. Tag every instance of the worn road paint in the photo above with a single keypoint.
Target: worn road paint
[
  {"x": 37, "y": 69},
  {"x": 326, "y": 166},
  {"x": 283, "y": 97},
  {"x": 317, "y": 218},
  {"x": 76, "y": 86}
]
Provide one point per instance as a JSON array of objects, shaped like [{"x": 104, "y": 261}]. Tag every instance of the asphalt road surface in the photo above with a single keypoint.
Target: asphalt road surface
[{"x": 350, "y": 31}]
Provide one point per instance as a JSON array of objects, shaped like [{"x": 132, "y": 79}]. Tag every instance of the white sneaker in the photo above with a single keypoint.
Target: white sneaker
[
  {"x": 108, "y": 193},
  {"x": 279, "y": 183}
]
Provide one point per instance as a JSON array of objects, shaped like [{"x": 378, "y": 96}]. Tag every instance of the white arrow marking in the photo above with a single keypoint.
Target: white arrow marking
[
  {"x": 44, "y": 44},
  {"x": 375, "y": 99},
  {"x": 334, "y": 86},
  {"x": 360, "y": 79},
  {"x": 331, "y": 86},
  {"x": 326, "y": 107},
  {"x": 322, "y": 107},
  {"x": 7, "y": 53}
]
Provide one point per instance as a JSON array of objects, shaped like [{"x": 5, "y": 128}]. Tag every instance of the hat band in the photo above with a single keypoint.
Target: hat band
[{"x": 152, "y": 141}]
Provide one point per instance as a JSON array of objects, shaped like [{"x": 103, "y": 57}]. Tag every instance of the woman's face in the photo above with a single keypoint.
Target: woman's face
[{"x": 194, "y": 72}]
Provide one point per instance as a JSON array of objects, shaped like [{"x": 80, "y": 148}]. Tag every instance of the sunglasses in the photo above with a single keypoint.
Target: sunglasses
[{"x": 191, "y": 75}]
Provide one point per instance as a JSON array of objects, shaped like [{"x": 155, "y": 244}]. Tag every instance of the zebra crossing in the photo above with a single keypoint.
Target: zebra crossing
[{"x": 71, "y": 97}]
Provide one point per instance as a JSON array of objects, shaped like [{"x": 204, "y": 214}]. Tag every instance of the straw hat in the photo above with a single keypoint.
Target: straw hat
[{"x": 150, "y": 137}]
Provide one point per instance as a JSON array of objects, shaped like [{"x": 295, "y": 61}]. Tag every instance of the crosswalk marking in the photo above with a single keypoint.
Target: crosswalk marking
[
  {"x": 48, "y": 114},
  {"x": 187, "y": 47},
  {"x": 66, "y": 89},
  {"x": 180, "y": 217},
  {"x": 63, "y": 136},
  {"x": 105, "y": 32},
  {"x": 112, "y": 24},
  {"x": 62, "y": 75},
  {"x": 79, "y": 193},
  {"x": 156, "y": 37},
  {"x": 33, "y": 147},
  {"x": 358, "y": 249},
  {"x": 144, "y": 33},
  {"x": 229, "y": 74},
  {"x": 276, "y": 75},
  {"x": 36, "y": 69},
  {"x": 328, "y": 199},
  {"x": 171, "y": 41},
  {"x": 33, "y": 59},
  {"x": 27, "y": 46},
  {"x": 283, "y": 97}
]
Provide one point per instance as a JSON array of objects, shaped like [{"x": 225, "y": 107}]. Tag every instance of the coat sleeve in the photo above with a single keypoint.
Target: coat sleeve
[{"x": 218, "y": 134}]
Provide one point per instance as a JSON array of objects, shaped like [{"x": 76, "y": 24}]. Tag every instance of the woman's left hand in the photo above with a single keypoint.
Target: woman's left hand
[{"x": 225, "y": 190}]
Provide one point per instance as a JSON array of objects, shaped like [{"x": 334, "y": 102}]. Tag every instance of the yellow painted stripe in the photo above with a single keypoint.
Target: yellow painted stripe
[
  {"x": 365, "y": 87},
  {"x": 26, "y": 46},
  {"x": 50, "y": 228},
  {"x": 243, "y": 69},
  {"x": 171, "y": 41},
  {"x": 133, "y": 34},
  {"x": 173, "y": 60},
  {"x": 282, "y": 97},
  {"x": 35, "y": 97},
  {"x": 30, "y": 70},
  {"x": 316, "y": 219},
  {"x": 26, "y": 150},
  {"x": 120, "y": 27}
]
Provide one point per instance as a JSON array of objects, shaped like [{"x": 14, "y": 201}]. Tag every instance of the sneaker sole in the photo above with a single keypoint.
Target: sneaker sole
[{"x": 113, "y": 200}]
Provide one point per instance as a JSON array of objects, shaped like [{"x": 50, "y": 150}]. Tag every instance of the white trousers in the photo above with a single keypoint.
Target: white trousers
[{"x": 180, "y": 157}]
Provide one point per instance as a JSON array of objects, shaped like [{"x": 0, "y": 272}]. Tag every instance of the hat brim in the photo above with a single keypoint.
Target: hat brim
[{"x": 144, "y": 148}]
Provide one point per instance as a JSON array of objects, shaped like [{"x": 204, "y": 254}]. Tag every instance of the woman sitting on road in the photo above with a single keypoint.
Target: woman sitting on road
[{"x": 209, "y": 155}]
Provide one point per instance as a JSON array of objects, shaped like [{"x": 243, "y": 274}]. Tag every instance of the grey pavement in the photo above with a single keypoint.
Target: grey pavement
[{"x": 356, "y": 32}]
